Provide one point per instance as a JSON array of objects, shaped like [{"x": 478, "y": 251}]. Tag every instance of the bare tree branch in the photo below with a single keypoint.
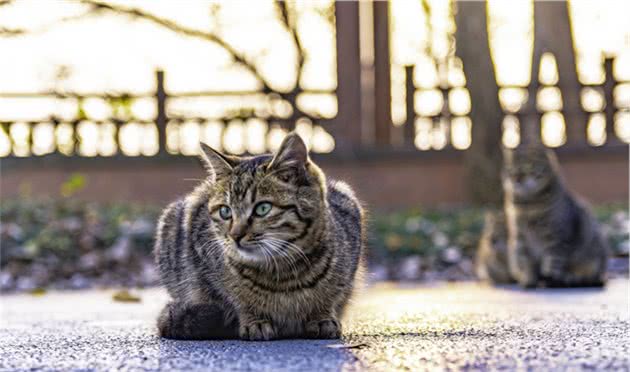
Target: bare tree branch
[
  {"x": 96, "y": 7},
  {"x": 283, "y": 8},
  {"x": 6, "y": 31},
  {"x": 166, "y": 23},
  {"x": 11, "y": 32}
]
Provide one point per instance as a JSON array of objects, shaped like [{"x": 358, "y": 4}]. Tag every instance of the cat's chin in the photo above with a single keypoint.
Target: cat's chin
[{"x": 250, "y": 254}]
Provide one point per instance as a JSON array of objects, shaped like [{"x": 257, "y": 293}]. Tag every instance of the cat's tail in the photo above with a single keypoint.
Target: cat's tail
[{"x": 182, "y": 321}]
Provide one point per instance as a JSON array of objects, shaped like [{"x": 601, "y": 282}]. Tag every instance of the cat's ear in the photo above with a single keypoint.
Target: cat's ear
[
  {"x": 291, "y": 154},
  {"x": 217, "y": 164}
]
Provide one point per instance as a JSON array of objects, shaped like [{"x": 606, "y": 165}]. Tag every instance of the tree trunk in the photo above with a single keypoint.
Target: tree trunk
[
  {"x": 484, "y": 157},
  {"x": 552, "y": 33}
]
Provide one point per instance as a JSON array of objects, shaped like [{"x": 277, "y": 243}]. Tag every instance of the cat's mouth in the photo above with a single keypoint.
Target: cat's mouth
[{"x": 249, "y": 252}]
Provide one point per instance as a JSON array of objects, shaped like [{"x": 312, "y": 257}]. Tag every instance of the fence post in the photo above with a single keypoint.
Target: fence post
[
  {"x": 161, "y": 118},
  {"x": 409, "y": 130},
  {"x": 382, "y": 75},
  {"x": 346, "y": 128},
  {"x": 609, "y": 111},
  {"x": 529, "y": 116}
]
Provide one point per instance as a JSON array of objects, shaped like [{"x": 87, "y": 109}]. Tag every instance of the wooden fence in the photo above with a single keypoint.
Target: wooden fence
[{"x": 366, "y": 140}]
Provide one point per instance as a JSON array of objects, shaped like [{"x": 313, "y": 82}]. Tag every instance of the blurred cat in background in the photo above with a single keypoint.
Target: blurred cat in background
[{"x": 553, "y": 239}]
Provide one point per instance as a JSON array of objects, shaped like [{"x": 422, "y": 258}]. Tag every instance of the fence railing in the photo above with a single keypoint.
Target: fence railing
[
  {"x": 332, "y": 121},
  {"x": 605, "y": 119},
  {"x": 259, "y": 124},
  {"x": 163, "y": 129}
]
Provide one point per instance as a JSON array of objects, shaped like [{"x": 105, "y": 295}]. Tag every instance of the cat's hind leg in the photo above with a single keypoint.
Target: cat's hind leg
[
  {"x": 185, "y": 321},
  {"x": 590, "y": 272}
]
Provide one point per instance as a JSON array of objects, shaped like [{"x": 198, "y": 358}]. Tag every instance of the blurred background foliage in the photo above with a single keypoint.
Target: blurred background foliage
[{"x": 64, "y": 243}]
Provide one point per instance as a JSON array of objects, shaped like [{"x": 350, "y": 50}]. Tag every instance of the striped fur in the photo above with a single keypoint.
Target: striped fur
[
  {"x": 553, "y": 240},
  {"x": 288, "y": 273},
  {"x": 491, "y": 261}
]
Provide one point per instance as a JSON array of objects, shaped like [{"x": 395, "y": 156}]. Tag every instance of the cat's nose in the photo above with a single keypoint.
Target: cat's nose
[{"x": 237, "y": 232}]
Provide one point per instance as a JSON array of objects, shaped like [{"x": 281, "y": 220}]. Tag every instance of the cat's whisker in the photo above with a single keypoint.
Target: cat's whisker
[
  {"x": 265, "y": 254},
  {"x": 266, "y": 248},
  {"x": 290, "y": 260},
  {"x": 291, "y": 247},
  {"x": 209, "y": 247}
]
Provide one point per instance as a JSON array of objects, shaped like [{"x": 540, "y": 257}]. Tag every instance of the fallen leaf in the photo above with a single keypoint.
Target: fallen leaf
[
  {"x": 125, "y": 296},
  {"x": 348, "y": 346},
  {"x": 38, "y": 292}
]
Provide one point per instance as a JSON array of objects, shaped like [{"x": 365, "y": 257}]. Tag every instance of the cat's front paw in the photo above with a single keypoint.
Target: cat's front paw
[
  {"x": 553, "y": 268},
  {"x": 323, "y": 329},
  {"x": 257, "y": 330}
]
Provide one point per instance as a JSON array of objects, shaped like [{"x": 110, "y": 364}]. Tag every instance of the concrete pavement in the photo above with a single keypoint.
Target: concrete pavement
[{"x": 389, "y": 327}]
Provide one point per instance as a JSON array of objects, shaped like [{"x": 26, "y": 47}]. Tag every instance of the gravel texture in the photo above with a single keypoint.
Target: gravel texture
[{"x": 389, "y": 327}]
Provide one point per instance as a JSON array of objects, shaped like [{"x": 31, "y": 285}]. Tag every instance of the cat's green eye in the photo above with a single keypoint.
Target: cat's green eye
[
  {"x": 225, "y": 212},
  {"x": 262, "y": 209}
]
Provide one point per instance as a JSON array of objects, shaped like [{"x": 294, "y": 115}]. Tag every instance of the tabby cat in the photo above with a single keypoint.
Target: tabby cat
[
  {"x": 265, "y": 248},
  {"x": 553, "y": 240},
  {"x": 491, "y": 262}
]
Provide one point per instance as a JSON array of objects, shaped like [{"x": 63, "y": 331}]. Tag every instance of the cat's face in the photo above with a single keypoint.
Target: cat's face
[
  {"x": 262, "y": 207},
  {"x": 528, "y": 170}
]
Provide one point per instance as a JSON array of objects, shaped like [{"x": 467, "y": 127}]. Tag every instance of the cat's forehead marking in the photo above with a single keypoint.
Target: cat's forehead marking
[{"x": 245, "y": 177}]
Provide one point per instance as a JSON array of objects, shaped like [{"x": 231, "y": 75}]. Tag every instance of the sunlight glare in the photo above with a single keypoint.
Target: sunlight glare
[
  {"x": 512, "y": 99},
  {"x": 43, "y": 138},
  {"x": 596, "y": 130},
  {"x": 439, "y": 135},
  {"x": 318, "y": 105},
  {"x": 428, "y": 102},
  {"x": 304, "y": 128},
  {"x": 234, "y": 137},
  {"x": 622, "y": 126},
  {"x": 129, "y": 138},
  {"x": 144, "y": 109},
  {"x": 150, "y": 142},
  {"x": 64, "y": 137},
  {"x": 107, "y": 139},
  {"x": 65, "y": 109},
  {"x": 172, "y": 137},
  {"x": 19, "y": 134},
  {"x": 549, "y": 99},
  {"x": 399, "y": 95},
  {"x": 88, "y": 138},
  {"x": 274, "y": 137},
  {"x": 5, "y": 143},
  {"x": 189, "y": 136},
  {"x": 621, "y": 96},
  {"x": 212, "y": 134},
  {"x": 256, "y": 133},
  {"x": 323, "y": 142},
  {"x": 553, "y": 129},
  {"x": 425, "y": 74},
  {"x": 592, "y": 99},
  {"x": 423, "y": 133},
  {"x": 460, "y": 133},
  {"x": 459, "y": 101},
  {"x": 548, "y": 72},
  {"x": 97, "y": 109},
  {"x": 456, "y": 76},
  {"x": 511, "y": 131}
]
